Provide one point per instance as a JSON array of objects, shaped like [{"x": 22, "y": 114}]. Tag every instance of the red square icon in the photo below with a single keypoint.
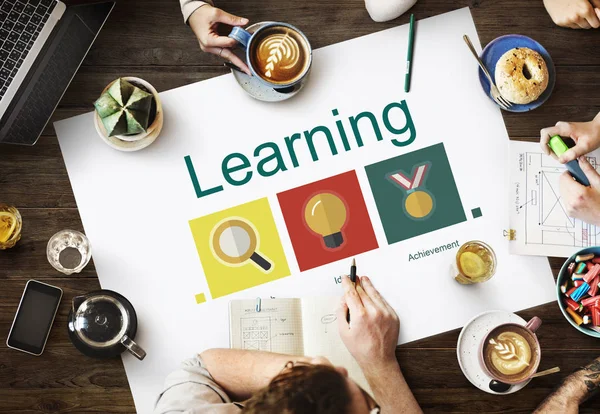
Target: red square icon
[{"x": 327, "y": 220}]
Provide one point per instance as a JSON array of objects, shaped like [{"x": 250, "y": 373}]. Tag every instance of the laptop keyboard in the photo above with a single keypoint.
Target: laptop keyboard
[{"x": 20, "y": 24}]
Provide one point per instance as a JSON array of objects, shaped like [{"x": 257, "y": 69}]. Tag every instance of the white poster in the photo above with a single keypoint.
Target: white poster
[{"x": 239, "y": 198}]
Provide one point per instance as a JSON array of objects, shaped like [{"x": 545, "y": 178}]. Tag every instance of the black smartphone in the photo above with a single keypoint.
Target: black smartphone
[{"x": 34, "y": 318}]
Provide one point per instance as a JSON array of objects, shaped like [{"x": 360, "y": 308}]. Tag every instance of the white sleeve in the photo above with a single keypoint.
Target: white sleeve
[
  {"x": 190, "y": 6},
  {"x": 191, "y": 389}
]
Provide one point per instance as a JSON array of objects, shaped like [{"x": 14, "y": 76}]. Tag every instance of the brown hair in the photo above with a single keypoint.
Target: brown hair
[{"x": 302, "y": 389}]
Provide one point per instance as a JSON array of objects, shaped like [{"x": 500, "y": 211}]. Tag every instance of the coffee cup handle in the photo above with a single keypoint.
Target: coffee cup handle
[
  {"x": 241, "y": 35},
  {"x": 534, "y": 324}
]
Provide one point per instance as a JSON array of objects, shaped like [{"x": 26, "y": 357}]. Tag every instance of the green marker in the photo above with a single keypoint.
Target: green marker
[
  {"x": 411, "y": 39},
  {"x": 558, "y": 146}
]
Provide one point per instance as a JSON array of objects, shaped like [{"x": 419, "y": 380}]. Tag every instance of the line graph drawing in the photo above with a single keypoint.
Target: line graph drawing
[
  {"x": 546, "y": 218},
  {"x": 256, "y": 333}
]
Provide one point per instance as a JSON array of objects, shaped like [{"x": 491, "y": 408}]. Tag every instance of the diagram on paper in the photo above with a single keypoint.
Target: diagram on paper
[
  {"x": 256, "y": 333},
  {"x": 538, "y": 213}
]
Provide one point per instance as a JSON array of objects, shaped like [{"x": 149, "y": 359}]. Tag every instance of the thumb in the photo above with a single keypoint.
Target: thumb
[
  {"x": 230, "y": 19},
  {"x": 579, "y": 150},
  {"x": 589, "y": 171}
]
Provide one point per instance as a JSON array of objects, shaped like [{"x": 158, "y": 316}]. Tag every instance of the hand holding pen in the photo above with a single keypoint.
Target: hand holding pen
[{"x": 372, "y": 334}]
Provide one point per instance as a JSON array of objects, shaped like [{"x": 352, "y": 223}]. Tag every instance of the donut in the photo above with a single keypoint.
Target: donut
[{"x": 521, "y": 75}]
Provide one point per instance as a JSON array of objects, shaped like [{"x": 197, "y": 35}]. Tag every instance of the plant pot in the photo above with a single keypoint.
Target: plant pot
[{"x": 143, "y": 139}]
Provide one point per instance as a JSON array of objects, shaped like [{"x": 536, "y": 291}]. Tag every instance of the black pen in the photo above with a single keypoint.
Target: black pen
[{"x": 353, "y": 280}]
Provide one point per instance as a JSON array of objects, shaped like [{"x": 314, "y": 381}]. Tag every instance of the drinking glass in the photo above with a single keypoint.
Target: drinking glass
[
  {"x": 475, "y": 263},
  {"x": 69, "y": 251},
  {"x": 10, "y": 226}
]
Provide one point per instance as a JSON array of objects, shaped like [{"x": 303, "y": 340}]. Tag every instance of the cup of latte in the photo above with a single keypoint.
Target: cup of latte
[
  {"x": 278, "y": 54},
  {"x": 511, "y": 353}
]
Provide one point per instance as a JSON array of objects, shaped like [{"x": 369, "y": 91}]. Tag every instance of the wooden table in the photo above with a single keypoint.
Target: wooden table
[{"x": 147, "y": 38}]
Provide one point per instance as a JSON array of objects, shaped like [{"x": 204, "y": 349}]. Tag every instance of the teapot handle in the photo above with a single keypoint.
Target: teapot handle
[{"x": 132, "y": 347}]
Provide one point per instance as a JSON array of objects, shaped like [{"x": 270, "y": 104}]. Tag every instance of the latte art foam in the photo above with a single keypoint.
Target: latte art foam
[
  {"x": 510, "y": 353},
  {"x": 279, "y": 55}
]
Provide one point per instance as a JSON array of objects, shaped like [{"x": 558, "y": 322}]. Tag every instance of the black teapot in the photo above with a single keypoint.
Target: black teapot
[{"x": 102, "y": 324}]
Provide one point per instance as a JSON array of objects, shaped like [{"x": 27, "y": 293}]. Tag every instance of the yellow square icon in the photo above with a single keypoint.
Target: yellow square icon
[{"x": 239, "y": 248}]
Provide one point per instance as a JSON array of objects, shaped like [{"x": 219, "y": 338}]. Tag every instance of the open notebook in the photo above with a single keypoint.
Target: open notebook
[{"x": 305, "y": 326}]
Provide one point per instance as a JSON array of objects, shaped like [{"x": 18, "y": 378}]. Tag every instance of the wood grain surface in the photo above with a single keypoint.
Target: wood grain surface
[{"x": 147, "y": 38}]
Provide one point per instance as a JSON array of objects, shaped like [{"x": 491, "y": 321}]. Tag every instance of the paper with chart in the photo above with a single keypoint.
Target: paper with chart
[
  {"x": 306, "y": 326},
  {"x": 267, "y": 199},
  {"x": 537, "y": 212}
]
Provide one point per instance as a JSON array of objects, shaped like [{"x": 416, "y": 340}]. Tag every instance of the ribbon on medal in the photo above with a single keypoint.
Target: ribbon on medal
[{"x": 418, "y": 203}]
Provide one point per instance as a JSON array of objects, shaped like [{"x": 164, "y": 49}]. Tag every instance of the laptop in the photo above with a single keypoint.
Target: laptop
[{"x": 42, "y": 44}]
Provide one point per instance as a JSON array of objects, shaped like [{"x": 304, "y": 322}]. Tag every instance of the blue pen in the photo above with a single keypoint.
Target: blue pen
[{"x": 559, "y": 147}]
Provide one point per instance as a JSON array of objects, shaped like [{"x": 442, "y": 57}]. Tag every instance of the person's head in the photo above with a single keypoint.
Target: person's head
[{"x": 311, "y": 388}]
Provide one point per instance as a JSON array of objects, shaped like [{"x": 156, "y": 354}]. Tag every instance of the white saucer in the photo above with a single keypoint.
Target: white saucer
[
  {"x": 467, "y": 348},
  {"x": 253, "y": 86}
]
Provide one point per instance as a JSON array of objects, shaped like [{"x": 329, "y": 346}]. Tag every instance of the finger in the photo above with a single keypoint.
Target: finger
[
  {"x": 568, "y": 185},
  {"x": 583, "y": 23},
  {"x": 592, "y": 18},
  {"x": 230, "y": 19},
  {"x": 220, "y": 41},
  {"x": 230, "y": 56},
  {"x": 597, "y": 10},
  {"x": 545, "y": 135},
  {"x": 373, "y": 293},
  {"x": 589, "y": 171},
  {"x": 365, "y": 299},
  {"x": 351, "y": 295},
  {"x": 580, "y": 149}
]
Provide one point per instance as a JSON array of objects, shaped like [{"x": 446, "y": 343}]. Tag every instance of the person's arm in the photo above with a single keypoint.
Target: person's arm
[
  {"x": 371, "y": 337},
  {"x": 241, "y": 373},
  {"x": 575, "y": 14},
  {"x": 575, "y": 389}
]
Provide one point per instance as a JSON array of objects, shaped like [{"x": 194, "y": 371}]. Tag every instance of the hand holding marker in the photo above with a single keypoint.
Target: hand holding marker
[{"x": 559, "y": 147}]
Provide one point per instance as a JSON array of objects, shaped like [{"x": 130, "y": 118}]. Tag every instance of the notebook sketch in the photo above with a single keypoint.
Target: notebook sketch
[
  {"x": 283, "y": 324},
  {"x": 256, "y": 333},
  {"x": 537, "y": 212}
]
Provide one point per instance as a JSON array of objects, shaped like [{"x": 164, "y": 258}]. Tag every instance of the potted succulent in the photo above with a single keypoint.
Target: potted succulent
[{"x": 128, "y": 114}]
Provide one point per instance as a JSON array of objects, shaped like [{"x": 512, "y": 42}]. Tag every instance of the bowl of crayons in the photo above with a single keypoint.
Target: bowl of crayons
[{"x": 578, "y": 290}]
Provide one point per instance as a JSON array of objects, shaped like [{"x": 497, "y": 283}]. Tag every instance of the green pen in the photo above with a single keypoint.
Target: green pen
[{"x": 411, "y": 39}]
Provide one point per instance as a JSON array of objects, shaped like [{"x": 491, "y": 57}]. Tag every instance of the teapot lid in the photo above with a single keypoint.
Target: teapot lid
[{"x": 101, "y": 321}]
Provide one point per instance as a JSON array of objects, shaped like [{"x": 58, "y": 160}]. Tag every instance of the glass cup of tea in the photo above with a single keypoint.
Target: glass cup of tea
[
  {"x": 69, "y": 251},
  {"x": 10, "y": 226},
  {"x": 475, "y": 263}
]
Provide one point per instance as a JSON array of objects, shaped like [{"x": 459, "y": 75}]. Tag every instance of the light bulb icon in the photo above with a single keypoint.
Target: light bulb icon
[{"x": 325, "y": 214}]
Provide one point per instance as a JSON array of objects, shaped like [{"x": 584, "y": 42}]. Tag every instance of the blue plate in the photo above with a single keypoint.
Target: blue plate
[{"x": 496, "y": 48}]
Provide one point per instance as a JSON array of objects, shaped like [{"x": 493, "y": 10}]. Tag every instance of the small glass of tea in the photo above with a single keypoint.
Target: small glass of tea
[
  {"x": 69, "y": 251},
  {"x": 475, "y": 263},
  {"x": 10, "y": 226}
]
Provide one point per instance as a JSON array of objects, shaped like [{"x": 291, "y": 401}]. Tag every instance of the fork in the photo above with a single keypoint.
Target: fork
[{"x": 496, "y": 95}]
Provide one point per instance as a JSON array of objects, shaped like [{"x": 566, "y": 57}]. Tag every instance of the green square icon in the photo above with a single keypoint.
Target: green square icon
[
  {"x": 476, "y": 212},
  {"x": 415, "y": 193}
]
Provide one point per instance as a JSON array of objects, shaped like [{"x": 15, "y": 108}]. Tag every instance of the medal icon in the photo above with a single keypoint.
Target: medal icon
[{"x": 419, "y": 203}]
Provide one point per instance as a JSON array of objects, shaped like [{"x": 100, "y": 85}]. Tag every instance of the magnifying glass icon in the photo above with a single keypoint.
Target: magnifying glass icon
[{"x": 234, "y": 241}]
